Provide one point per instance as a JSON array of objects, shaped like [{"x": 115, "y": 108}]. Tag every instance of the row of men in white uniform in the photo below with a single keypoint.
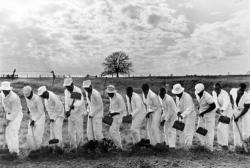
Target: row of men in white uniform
[{"x": 156, "y": 109}]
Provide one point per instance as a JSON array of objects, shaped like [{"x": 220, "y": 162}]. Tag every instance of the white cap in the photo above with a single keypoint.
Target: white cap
[
  {"x": 41, "y": 90},
  {"x": 199, "y": 87},
  {"x": 177, "y": 89},
  {"x": 86, "y": 83},
  {"x": 67, "y": 81},
  {"x": 26, "y": 91},
  {"x": 5, "y": 86},
  {"x": 110, "y": 89}
]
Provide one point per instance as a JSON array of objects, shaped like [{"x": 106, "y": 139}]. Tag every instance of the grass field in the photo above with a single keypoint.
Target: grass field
[{"x": 172, "y": 159}]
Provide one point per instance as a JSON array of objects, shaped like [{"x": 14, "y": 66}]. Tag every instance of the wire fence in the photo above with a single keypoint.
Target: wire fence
[{"x": 60, "y": 75}]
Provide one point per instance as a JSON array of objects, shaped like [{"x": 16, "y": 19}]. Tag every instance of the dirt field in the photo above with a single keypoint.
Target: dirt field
[{"x": 178, "y": 158}]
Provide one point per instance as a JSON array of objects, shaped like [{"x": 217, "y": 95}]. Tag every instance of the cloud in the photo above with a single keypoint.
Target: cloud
[
  {"x": 214, "y": 13},
  {"x": 72, "y": 36},
  {"x": 211, "y": 43},
  {"x": 154, "y": 19},
  {"x": 186, "y": 5},
  {"x": 132, "y": 12}
]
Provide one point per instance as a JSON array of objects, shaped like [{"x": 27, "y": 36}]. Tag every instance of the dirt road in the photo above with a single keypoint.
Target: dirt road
[{"x": 176, "y": 158}]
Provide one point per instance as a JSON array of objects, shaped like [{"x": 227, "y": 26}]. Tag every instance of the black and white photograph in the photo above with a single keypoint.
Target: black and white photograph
[{"x": 125, "y": 83}]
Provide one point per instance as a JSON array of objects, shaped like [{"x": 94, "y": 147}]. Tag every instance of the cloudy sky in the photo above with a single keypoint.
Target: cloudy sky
[{"x": 160, "y": 36}]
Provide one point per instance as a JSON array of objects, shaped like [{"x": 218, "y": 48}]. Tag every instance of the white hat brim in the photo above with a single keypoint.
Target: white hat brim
[
  {"x": 179, "y": 92},
  {"x": 64, "y": 85},
  {"x": 6, "y": 88},
  {"x": 85, "y": 86},
  {"x": 107, "y": 91}
]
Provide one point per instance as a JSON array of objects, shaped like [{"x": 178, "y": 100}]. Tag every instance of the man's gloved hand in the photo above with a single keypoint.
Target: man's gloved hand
[
  {"x": 218, "y": 111},
  {"x": 90, "y": 116},
  {"x": 201, "y": 114},
  {"x": 72, "y": 107},
  {"x": 148, "y": 114},
  {"x": 130, "y": 116},
  {"x": 52, "y": 120},
  {"x": 113, "y": 114},
  {"x": 163, "y": 122},
  {"x": 28, "y": 112},
  {"x": 236, "y": 119},
  {"x": 179, "y": 115},
  {"x": 67, "y": 114},
  {"x": 32, "y": 123}
]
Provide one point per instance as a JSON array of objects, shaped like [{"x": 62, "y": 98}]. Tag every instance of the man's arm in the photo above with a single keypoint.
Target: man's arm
[
  {"x": 78, "y": 103},
  {"x": 122, "y": 105},
  {"x": 244, "y": 111},
  {"x": 153, "y": 103},
  {"x": 137, "y": 108},
  {"x": 67, "y": 105},
  {"x": 97, "y": 101},
  {"x": 128, "y": 105},
  {"x": 232, "y": 100},
  {"x": 188, "y": 106},
  {"x": 57, "y": 103},
  {"x": 226, "y": 101},
  {"x": 40, "y": 109},
  {"x": 172, "y": 108},
  {"x": 211, "y": 108},
  {"x": 15, "y": 107}
]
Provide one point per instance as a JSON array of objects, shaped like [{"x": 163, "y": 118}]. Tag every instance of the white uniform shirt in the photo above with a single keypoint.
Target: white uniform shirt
[
  {"x": 205, "y": 101},
  {"x": 12, "y": 105},
  {"x": 168, "y": 107},
  {"x": 95, "y": 104},
  {"x": 117, "y": 105},
  {"x": 136, "y": 106},
  {"x": 35, "y": 106},
  {"x": 54, "y": 106},
  {"x": 1, "y": 104},
  {"x": 79, "y": 105},
  {"x": 245, "y": 99},
  {"x": 152, "y": 101},
  {"x": 222, "y": 100},
  {"x": 185, "y": 105}
]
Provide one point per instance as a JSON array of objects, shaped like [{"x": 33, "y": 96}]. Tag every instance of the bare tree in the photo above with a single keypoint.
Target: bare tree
[{"x": 117, "y": 63}]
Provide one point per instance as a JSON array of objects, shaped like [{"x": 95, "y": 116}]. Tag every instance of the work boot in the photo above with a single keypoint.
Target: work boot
[
  {"x": 171, "y": 148},
  {"x": 58, "y": 150},
  {"x": 117, "y": 149},
  {"x": 160, "y": 147},
  {"x": 239, "y": 149},
  {"x": 73, "y": 150},
  {"x": 224, "y": 148},
  {"x": 34, "y": 154},
  {"x": 4, "y": 149},
  {"x": 10, "y": 156},
  {"x": 147, "y": 141}
]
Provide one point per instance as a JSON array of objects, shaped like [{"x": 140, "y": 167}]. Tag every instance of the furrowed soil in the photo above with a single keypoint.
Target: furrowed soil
[{"x": 139, "y": 158}]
